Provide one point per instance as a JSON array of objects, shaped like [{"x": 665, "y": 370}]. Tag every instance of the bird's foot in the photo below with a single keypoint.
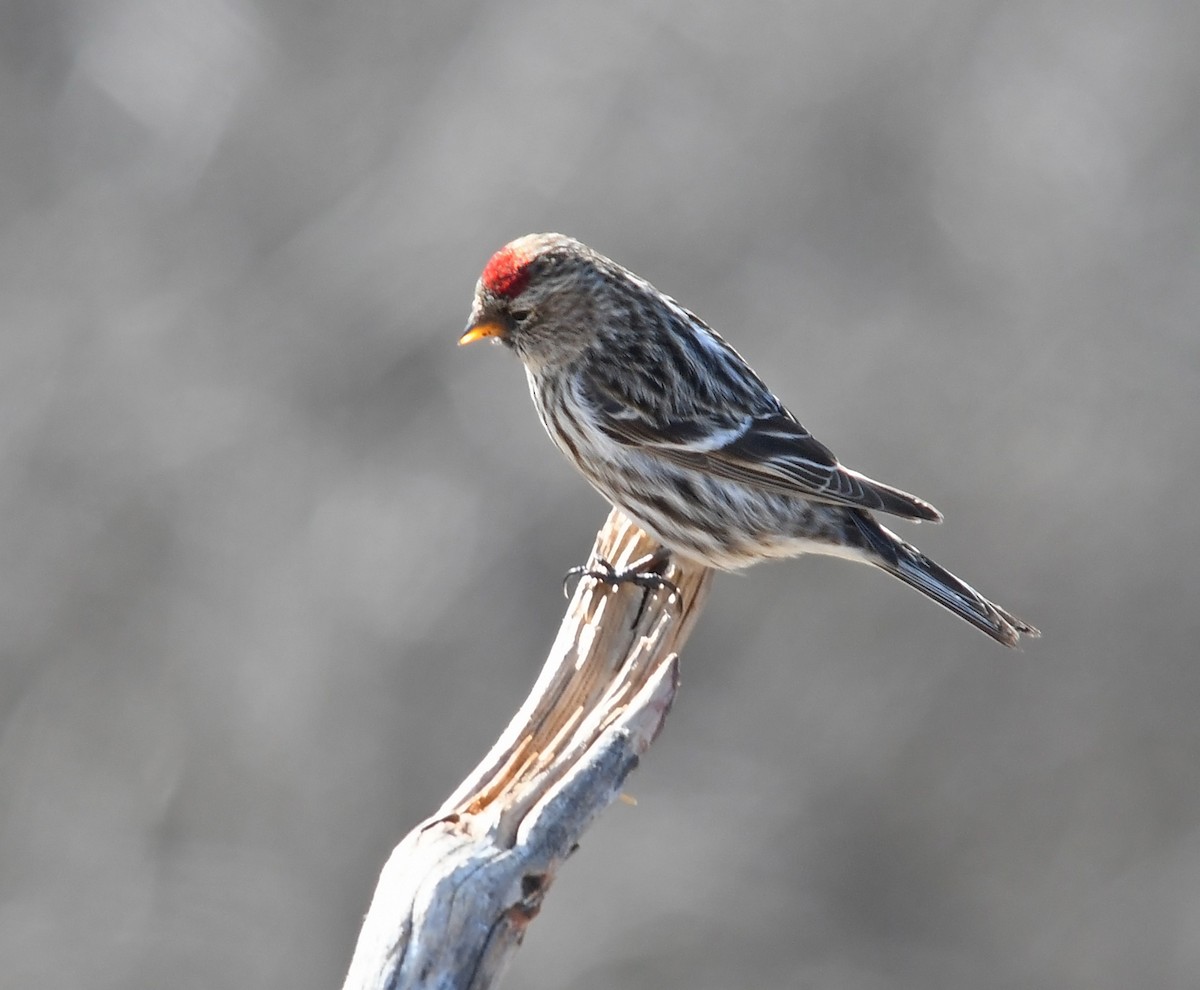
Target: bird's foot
[{"x": 645, "y": 572}]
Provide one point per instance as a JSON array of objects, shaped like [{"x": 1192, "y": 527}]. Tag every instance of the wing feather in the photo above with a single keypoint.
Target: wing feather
[{"x": 768, "y": 450}]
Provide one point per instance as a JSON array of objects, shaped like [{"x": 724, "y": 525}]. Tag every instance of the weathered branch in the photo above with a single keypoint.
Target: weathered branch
[{"x": 456, "y": 894}]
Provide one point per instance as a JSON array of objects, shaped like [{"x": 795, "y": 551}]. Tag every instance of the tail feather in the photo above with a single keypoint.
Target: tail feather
[{"x": 888, "y": 552}]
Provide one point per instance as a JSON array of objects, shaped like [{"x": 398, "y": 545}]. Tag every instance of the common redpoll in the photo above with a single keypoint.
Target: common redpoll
[{"x": 670, "y": 424}]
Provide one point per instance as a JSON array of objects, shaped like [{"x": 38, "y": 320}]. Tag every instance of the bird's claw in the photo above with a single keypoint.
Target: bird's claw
[{"x": 640, "y": 572}]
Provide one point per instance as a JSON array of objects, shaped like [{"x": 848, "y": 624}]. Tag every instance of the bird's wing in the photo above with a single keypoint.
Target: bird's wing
[{"x": 767, "y": 450}]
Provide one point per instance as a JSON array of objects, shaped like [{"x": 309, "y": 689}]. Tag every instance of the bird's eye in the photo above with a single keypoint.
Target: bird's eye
[{"x": 520, "y": 315}]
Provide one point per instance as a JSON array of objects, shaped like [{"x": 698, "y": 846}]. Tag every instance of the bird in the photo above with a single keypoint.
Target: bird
[{"x": 670, "y": 424}]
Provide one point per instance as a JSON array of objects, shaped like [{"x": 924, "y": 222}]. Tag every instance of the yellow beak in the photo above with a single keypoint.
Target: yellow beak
[{"x": 481, "y": 331}]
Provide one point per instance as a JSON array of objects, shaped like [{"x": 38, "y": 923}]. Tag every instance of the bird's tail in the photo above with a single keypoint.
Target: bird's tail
[{"x": 887, "y": 551}]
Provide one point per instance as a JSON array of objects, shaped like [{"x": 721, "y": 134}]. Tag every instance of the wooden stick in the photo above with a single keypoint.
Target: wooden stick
[{"x": 457, "y": 893}]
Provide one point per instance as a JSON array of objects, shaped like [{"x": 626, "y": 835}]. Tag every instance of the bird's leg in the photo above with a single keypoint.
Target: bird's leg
[{"x": 645, "y": 572}]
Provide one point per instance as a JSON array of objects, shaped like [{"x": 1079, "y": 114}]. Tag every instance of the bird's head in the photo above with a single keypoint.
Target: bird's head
[{"x": 538, "y": 295}]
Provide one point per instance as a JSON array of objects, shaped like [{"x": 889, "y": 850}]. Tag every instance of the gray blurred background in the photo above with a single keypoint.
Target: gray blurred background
[{"x": 279, "y": 561}]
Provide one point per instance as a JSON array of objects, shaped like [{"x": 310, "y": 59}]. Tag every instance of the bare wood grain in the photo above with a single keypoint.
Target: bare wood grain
[{"x": 457, "y": 893}]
